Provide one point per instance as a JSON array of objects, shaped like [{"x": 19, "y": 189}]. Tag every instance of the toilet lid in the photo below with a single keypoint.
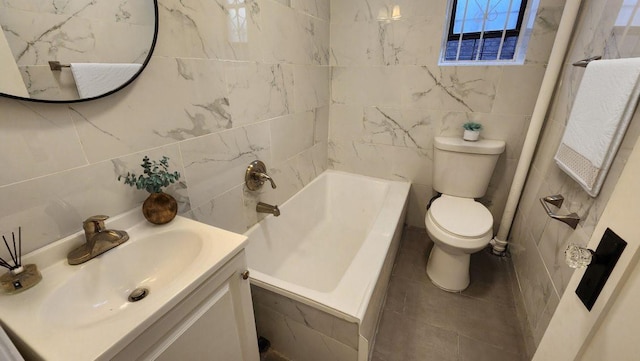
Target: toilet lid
[{"x": 461, "y": 216}]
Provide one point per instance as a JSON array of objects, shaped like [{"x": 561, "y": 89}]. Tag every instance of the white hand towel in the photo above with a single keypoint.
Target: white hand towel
[
  {"x": 94, "y": 79},
  {"x": 604, "y": 105}
]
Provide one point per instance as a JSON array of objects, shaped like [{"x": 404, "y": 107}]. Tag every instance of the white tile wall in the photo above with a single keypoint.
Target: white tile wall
[
  {"x": 211, "y": 104},
  {"x": 389, "y": 97},
  {"x": 538, "y": 242}
]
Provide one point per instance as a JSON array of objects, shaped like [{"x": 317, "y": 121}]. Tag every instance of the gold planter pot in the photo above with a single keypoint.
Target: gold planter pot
[{"x": 160, "y": 208}]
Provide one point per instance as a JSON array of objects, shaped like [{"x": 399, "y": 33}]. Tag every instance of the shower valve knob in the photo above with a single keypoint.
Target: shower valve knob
[{"x": 256, "y": 175}]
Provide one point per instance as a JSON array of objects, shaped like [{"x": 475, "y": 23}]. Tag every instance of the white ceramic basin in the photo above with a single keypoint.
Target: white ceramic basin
[
  {"x": 101, "y": 287},
  {"x": 82, "y": 312}
]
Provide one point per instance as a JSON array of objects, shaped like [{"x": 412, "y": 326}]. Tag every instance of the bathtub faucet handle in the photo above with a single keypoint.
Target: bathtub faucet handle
[
  {"x": 256, "y": 175},
  {"x": 265, "y": 177}
]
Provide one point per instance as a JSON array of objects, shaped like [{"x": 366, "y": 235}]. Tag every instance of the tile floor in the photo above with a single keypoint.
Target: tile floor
[{"x": 422, "y": 322}]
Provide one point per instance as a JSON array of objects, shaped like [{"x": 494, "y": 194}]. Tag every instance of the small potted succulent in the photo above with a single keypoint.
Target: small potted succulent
[
  {"x": 159, "y": 207},
  {"x": 471, "y": 131}
]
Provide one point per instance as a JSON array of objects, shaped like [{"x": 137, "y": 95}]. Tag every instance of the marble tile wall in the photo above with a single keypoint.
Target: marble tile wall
[
  {"x": 208, "y": 101},
  {"x": 301, "y": 332},
  {"x": 537, "y": 242},
  {"x": 389, "y": 97}
]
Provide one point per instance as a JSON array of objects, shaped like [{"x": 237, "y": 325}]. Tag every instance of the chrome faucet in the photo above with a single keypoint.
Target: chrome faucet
[
  {"x": 98, "y": 240},
  {"x": 267, "y": 208},
  {"x": 256, "y": 175}
]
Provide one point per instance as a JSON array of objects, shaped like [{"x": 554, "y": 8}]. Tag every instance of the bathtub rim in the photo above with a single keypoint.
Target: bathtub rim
[{"x": 383, "y": 229}]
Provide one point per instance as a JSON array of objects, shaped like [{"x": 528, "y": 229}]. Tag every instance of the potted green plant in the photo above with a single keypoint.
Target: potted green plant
[
  {"x": 471, "y": 131},
  {"x": 159, "y": 207}
]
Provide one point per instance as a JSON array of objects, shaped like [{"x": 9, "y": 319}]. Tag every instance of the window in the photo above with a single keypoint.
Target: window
[
  {"x": 481, "y": 31},
  {"x": 237, "y": 21}
]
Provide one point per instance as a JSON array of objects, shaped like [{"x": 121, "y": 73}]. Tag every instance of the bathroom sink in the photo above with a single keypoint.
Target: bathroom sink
[
  {"x": 88, "y": 305},
  {"x": 102, "y": 287}
]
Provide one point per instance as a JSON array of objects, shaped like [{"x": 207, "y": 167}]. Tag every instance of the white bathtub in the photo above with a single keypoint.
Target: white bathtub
[{"x": 320, "y": 270}]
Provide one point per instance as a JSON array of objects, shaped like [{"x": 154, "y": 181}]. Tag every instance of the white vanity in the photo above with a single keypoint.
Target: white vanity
[{"x": 198, "y": 304}]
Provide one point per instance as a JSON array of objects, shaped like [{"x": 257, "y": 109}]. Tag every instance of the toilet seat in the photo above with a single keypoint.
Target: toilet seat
[{"x": 461, "y": 217}]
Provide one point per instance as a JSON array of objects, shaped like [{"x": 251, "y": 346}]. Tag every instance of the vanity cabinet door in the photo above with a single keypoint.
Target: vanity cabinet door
[
  {"x": 212, "y": 332},
  {"x": 215, "y": 323}
]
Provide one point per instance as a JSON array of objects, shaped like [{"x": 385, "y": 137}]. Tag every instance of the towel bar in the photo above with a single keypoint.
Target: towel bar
[
  {"x": 56, "y": 66},
  {"x": 571, "y": 219},
  {"x": 584, "y": 62}
]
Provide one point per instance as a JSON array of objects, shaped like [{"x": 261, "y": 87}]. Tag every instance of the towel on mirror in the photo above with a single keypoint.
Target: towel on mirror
[
  {"x": 604, "y": 104},
  {"x": 94, "y": 79}
]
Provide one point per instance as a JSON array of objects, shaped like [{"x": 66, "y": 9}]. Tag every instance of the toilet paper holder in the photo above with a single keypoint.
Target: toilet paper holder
[{"x": 571, "y": 219}]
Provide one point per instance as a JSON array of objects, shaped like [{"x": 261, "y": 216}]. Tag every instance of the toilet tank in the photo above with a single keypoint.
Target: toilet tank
[{"x": 462, "y": 168}]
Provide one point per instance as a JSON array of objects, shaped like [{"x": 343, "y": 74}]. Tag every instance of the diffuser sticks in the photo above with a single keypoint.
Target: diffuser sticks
[
  {"x": 16, "y": 255},
  {"x": 18, "y": 278}
]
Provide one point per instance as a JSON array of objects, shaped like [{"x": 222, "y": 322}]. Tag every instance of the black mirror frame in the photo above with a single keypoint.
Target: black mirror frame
[{"x": 144, "y": 65}]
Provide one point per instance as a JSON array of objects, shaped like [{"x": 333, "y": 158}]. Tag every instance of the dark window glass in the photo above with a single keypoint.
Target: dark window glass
[{"x": 481, "y": 43}]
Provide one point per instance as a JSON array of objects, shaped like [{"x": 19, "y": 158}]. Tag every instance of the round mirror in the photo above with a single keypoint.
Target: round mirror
[{"x": 73, "y": 50}]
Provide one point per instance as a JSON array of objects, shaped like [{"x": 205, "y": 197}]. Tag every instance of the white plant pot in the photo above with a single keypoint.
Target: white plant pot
[{"x": 471, "y": 135}]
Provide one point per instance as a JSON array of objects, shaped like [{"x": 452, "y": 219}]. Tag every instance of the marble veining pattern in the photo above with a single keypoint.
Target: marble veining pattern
[
  {"x": 214, "y": 163},
  {"x": 182, "y": 113},
  {"x": 208, "y": 100},
  {"x": 203, "y": 29},
  {"x": 390, "y": 65},
  {"x": 399, "y": 127},
  {"x": 37, "y": 135},
  {"x": 469, "y": 89},
  {"x": 269, "y": 88},
  {"x": 313, "y": 48},
  {"x": 301, "y": 342},
  {"x": 42, "y": 83}
]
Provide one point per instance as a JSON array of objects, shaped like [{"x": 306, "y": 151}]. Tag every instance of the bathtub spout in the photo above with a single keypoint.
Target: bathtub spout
[{"x": 267, "y": 208}]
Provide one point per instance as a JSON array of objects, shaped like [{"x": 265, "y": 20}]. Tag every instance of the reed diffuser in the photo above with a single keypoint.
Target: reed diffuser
[{"x": 19, "y": 277}]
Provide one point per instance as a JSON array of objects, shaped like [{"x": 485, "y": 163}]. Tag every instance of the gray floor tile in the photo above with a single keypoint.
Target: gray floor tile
[
  {"x": 484, "y": 315},
  {"x": 404, "y": 339},
  {"x": 416, "y": 239},
  {"x": 492, "y": 291},
  {"x": 504, "y": 338},
  {"x": 473, "y": 350},
  {"x": 411, "y": 264},
  {"x": 488, "y": 268}
]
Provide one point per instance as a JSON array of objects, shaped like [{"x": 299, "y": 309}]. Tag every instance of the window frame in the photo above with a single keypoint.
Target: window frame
[{"x": 523, "y": 14}]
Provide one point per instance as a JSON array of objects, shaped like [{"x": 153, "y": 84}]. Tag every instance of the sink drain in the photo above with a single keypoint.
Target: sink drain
[{"x": 138, "y": 294}]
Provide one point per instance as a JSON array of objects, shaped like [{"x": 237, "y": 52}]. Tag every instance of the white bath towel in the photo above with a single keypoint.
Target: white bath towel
[
  {"x": 603, "y": 107},
  {"x": 94, "y": 79}
]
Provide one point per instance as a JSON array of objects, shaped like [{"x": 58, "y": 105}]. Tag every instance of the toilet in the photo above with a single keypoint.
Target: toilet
[{"x": 456, "y": 223}]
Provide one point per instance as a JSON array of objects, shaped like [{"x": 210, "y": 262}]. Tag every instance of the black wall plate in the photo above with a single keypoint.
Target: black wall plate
[{"x": 597, "y": 273}]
